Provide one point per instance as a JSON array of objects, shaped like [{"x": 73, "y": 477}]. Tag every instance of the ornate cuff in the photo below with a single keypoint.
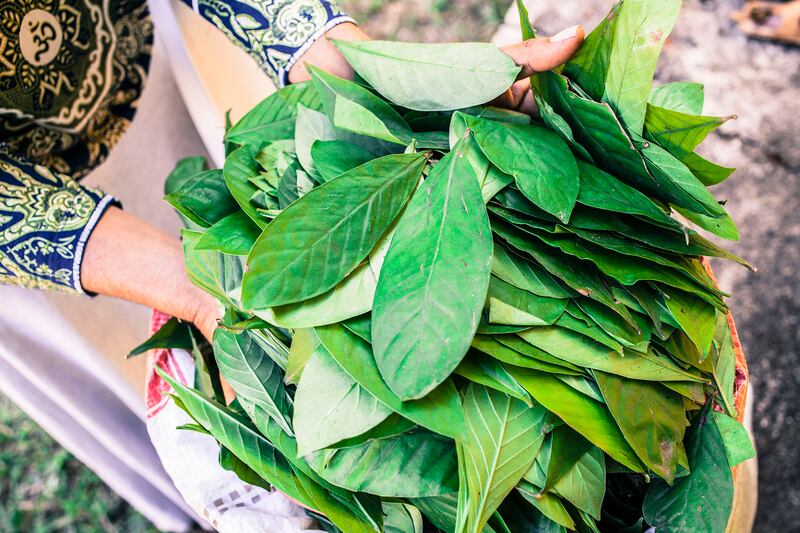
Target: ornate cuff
[{"x": 275, "y": 32}]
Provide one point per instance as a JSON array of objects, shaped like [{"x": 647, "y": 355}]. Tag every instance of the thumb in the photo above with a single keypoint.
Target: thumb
[{"x": 545, "y": 53}]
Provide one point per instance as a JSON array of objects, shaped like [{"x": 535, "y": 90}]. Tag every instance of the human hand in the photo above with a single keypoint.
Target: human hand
[{"x": 537, "y": 55}]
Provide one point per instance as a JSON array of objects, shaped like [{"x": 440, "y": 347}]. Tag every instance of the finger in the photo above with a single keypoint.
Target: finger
[
  {"x": 528, "y": 104},
  {"x": 541, "y": 54},
  {"x": 513, "y": 96}
]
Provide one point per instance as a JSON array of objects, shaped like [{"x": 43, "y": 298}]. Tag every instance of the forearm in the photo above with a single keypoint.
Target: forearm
[
  {"x": 325, "y": 55},
  {"x": 128, "y": 258}
]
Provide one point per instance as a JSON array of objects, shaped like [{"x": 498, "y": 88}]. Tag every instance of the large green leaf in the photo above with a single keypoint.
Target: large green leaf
[
  {"x": 707, "y": 172},
  {"x": 318, "y": 240},
  {"x": 503, "y": 437},
  {"x": 434, "y": 280},
  {"x": 432, "y": 77},
  {"x": 184, "y": 170},
  {"x": 173, "y": 334},
  {"x": 588, "y": 417},
  {"x": 702, "y": 500},
  {"x": 522, "y": 354},
  {"x": 640, "y": 29},
  {"x": 353, "y": 108},
  {"x": 330, "y": 406},
  {"x": 589, "y": 66},
  {"x": 238, "y": 436},
  {"x": 723, "y": 360},
  {"x": 440, "y": 411},
  {"x": 543, "y": 167},
  {"x": 410, "y": 465},
  {"x": 253, "y": 375},
  {"x": 274, "y": 118},
  {"x": 235, "y": 235},
  {"x": 651, "y": 418},
  {"x": 353, "y": 296}
]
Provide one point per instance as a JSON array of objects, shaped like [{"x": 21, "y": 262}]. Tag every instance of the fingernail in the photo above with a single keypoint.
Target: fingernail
[{"x": 564, "y": 35}]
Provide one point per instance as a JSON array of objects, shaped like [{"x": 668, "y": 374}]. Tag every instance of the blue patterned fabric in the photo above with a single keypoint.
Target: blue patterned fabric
[
  {"x": 274, "y": 32},
  {"x": 45, "y": 221}
]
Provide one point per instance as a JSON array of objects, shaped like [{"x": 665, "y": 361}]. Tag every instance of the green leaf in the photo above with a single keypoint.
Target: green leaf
[
  {"x": 173, "y": 334},
  {"x": 423, "y": 319},
  {"x": 234, "y": 235},
  {"x": 512, "y": 306},
  {"x": 566, "y": 447},
  {"x": 584, "y": 485},
  {"x": 330, "y": 406},
  {"x": 681, "y": 96},
  {"x": 440, "y": 411},
  {"x": 204, "y": 199},
  {"x": 352, "y": 297},
  {"x": 240, "y": 168},
  {"x": 723, "y": 226},
  {"x": 703, "y": 499},
  {"x": 333, "y": 158},
  {"x": 543, "y": 167},
  {"x": 393, "y": 426},
  {"x": 651, "y": 418},
  {"x": 253, "y": 375},
  {"x": 738, "y": 446},
  {"x": 547, "y": 504},
  {"x": 574, "y": 273},
  {"x": 402, "y": 518},
  {"x": 312, "y": 126},
  {"x": 409, "y": 465},
  {"x": 300, "y": 256},
  {"x": 184, "y": 170},
  {"x": 640, "y": 29},
  {"x": 707, "y": 172},
  {"x": 490, "y": 373},
  {"x": 696, "y": 317},
  {"x": 304, "y": 342},
  {"x": 236, "y": 434},
  {"x": 585, "y": 352},
  {"x": 353, "y": 108},
  {"x": 274, "y": 118},
  {"x": 218, "y": 274},
  {"x": 603, "y": 191},
  {"x": 589, "y": 66},
  {"x": 526, "y": 275},
  {"x": 230, "y": 462},
  {"x": 432, "y": 77},
  {"x": 679, "y": 133},
  {"x": 723, "y": 360},
  {"x": 503, "y": 438},
  {"x": 504, "y": 349},
  {"x": 588, "y": 417},
  {"x": 525, "y": 21}
]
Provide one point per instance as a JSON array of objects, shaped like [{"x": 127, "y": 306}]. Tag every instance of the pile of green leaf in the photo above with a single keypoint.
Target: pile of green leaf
[{"x": 445, "y": 316}]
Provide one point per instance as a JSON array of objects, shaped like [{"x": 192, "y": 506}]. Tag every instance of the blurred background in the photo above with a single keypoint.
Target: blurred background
[{"x": 43, "y": 488}]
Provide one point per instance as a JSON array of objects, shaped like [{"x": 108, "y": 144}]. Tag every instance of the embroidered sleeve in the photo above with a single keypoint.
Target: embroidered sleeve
[
  {"x": 45, "y": 221},
  {"x": 275, "y": 32}
]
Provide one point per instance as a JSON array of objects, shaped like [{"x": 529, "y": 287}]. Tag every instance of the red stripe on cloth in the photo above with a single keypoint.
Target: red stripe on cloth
[{"x": 157, "y": 390}]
